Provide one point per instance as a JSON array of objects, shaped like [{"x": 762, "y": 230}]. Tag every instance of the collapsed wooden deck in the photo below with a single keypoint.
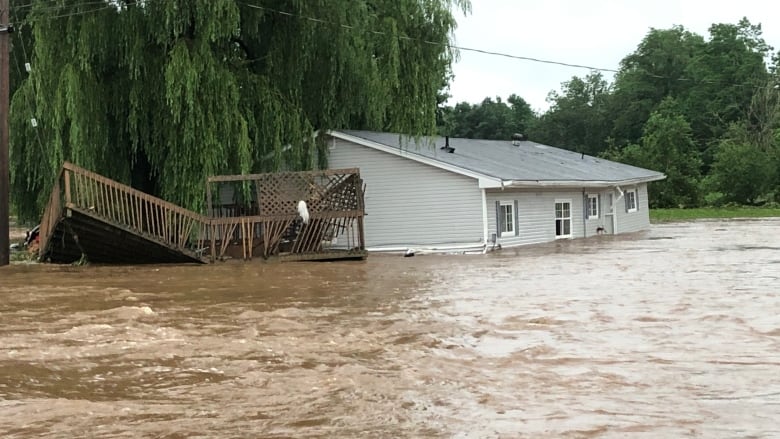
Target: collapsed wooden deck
[{"x": 91, "y": 217}]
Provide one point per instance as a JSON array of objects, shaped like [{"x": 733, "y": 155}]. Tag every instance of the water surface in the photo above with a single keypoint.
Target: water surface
[{"x": 670, "y": 333}]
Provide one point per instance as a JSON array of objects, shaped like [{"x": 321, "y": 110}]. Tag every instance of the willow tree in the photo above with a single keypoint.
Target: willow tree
[{"x": 162, "y": 93}]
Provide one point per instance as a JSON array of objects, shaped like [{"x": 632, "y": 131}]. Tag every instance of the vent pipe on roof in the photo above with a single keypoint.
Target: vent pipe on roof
[
  {"x": 517, "y": 138},
  {"x": 447, "y": 146}
]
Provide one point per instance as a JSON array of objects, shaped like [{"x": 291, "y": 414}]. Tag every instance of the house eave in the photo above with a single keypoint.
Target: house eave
[
  {"x": 520, "y": 184},
  {"x": 489, "y": 181},
  {"x": 485, "y": 181}
]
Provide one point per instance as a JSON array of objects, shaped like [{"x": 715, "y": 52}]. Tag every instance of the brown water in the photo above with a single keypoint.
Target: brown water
[{"x": 670, "y": 333}]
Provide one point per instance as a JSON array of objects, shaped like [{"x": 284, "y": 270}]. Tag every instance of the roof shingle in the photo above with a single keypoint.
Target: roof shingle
[{"x": 528, "y": 161}]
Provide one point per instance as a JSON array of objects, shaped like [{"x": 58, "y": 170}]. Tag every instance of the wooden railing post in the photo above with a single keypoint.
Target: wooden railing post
[
  {"x": 212, "y": 235},
  {"x": 68, "y": 199}
]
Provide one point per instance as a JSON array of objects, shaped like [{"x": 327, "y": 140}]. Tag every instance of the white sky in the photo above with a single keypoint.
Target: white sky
[{"x": 596, "y": 33}]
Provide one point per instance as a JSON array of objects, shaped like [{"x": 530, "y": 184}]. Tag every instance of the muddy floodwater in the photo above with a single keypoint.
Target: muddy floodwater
[{"x": 670, "y": 333}]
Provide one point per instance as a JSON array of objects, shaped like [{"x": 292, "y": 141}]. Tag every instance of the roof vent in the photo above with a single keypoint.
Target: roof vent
[
  {"x": 447, "y": 147},
  {"x": 517, "y": 138}
]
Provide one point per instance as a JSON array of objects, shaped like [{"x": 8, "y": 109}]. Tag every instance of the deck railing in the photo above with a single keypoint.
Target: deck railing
[
  {"x": 334, "y": 200},
  {"x": 51, "y": 215},
  {"x": 275, "y": 229},
  {"x": 141, "y": 213}
]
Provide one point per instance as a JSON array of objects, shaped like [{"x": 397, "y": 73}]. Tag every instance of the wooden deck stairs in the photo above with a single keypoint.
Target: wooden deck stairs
[{"x": 91, "y": 216}]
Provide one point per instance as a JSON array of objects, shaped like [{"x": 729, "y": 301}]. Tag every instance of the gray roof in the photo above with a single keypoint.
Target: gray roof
[{"x": 526, "y": 162}]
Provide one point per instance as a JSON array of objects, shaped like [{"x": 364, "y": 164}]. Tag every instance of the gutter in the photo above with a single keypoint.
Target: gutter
[
  {"x": 430, "y": 249},
  {"x": 578, "y": 183}
]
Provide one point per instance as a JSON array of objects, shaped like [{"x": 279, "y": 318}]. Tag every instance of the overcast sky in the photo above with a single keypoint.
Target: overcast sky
[{"x": 596, "y": 33}]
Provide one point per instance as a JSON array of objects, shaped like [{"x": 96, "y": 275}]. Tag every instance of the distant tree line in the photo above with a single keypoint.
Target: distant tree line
[{"x": 706, "y": 112}]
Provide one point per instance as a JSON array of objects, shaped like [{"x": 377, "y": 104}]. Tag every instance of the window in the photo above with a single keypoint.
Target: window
[
  {"x": 562, "y": 219},
  {"x": 593, "y": 206},
  {"x": 631, "y": 205},
  {"x": 506, "y": 214}
]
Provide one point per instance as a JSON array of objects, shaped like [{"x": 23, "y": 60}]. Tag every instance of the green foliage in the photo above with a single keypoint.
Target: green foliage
[
  {"x": 669, "y": 109},
  {"x": 669, "y": 146},
  {"x": 491, "y": 119},
  {"x": 666, "y": 215},
  {"x": 742, "y": 172},
  {"x": 577, "y": 119},
  {"x": 666, "y": 146},
  {"x": 727, "y": 71},
  {"x": 655, "y": 70},
  {"x": 162, "y": 94}
]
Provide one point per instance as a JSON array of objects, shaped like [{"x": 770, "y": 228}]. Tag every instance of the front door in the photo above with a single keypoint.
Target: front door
[{"x": 609, "y": 215}]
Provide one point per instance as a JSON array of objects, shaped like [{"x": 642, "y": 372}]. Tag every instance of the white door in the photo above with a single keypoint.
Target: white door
[{"x": 609, "y": 215}]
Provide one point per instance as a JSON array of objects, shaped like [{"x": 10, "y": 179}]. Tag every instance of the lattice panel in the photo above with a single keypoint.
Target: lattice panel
[{"x": 278, "y": 194}]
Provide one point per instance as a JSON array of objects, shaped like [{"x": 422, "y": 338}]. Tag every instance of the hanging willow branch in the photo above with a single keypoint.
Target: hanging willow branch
[{"x": 161, "y": 94}]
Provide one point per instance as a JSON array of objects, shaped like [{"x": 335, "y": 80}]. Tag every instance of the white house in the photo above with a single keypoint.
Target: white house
[{"x": 440, "y": 194}]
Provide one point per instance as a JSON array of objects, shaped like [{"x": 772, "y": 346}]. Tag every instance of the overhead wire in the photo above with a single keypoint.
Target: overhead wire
[
  {"x": 54, "y": 6},
  {"x": 476, "y": 50},
  {"x": 435, "y": 43},
  {"x": 109, "y": 5},
  {"x": 348, "y": 27},
  {"x": 106, "y": 6}
]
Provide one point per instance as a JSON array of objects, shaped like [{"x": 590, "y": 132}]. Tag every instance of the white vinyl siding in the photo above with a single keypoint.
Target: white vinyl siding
[
  {"x": 535, "y": 214},
  {"x": 633, "y": 221},
  {"x": 410, "y": 204}
]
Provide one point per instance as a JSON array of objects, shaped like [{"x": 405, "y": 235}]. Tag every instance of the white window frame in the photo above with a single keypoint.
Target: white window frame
[
  {"x": 504, "y": 232},
  {"x": 593, "y": 201},
  {"x": 633, "y": 205},
  {"x": 563, "y": 218}
]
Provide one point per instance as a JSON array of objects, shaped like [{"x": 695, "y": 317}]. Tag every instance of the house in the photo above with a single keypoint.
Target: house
[{"x": 452, "y": 194}]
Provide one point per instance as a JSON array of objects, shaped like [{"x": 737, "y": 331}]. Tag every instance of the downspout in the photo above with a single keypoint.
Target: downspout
[
  {"x": 584, "y": 215},
  {"x": 484, "y": 221}
]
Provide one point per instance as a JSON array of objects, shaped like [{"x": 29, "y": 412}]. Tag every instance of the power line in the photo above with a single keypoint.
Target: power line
[
  {"x": 54, "y": 6},
  {"x": 106, "y": 6},
  {"x": 447, "y": 45},
  {"x": 434, "y": 43},
  {"x": 475, "y": 50}
]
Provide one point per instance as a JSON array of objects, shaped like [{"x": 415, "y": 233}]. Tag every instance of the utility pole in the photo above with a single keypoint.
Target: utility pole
[{"x": 5, "y": 90}]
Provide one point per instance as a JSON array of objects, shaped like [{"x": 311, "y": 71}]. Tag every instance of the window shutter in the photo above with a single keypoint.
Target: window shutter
[
  {"x": 625, "y": 199},
  {"x": 517, "y": 225},
  {"x": 498, "y": 219}
]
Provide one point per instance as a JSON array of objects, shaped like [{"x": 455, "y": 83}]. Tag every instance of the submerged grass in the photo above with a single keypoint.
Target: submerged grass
[{"x": 668, "y": 215}]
